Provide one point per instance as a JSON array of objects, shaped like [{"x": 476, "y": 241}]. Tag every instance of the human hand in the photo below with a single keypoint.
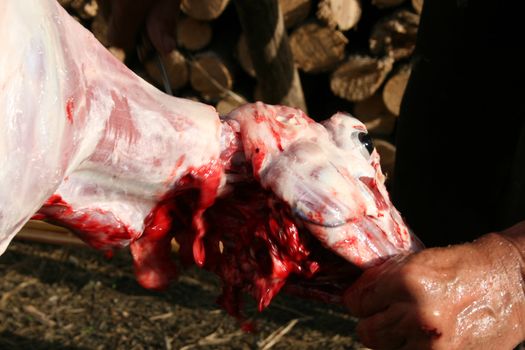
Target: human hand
[
  {"x": 460, "y": 297},
  {"x": 127, "y": 18}
]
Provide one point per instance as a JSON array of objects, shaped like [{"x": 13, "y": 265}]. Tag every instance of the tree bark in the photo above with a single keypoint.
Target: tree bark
[
  {"x": 263, "y": 24},
  {"x": 243, "y": 56},
  {"x": 295, "y": 11}
]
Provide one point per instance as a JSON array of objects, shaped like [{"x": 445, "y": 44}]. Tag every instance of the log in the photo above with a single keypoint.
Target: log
[
  {"x": 263, "y": 24},
  {"x": 119, "y": 53},
  {"x": 191, "y": 96},
  {"x": 229, "y": 102},
  {"x": 210, "y": 76},
  {"x": 192, "y": 34},
  {"x": 387, "y": 154},
  {"x": 141, "y": 72},
  {"x": 176, "y": 69},
  {"x": 383, "y": 4},
  {"x": 65, "y": 3},
  {"x": 99, "y": 28},
  {"x": 376, "y": 117},
  {"x": 360, "y": 77},
  {"x": 342, "y": 14},
  {"x": 203, "y": 10},
  {"x": 395, "y": 89},
  {"x": 295, "y": 11},
  {"x": 417, "y": 5},
  {"x": 395, "y": 35},
  {"x": 243, "y": 56},
  {"x": 317, "y": 48},
  {"x": 86, "y": 9},
  {"x": 42, "y": 232}
]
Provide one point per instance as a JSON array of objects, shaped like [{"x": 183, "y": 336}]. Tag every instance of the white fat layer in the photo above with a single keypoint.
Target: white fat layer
[{"x": 73, "y": 117}]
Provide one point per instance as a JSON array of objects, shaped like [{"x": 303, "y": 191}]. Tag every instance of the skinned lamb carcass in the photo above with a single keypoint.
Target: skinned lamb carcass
[{"x": 87, "y": 144}]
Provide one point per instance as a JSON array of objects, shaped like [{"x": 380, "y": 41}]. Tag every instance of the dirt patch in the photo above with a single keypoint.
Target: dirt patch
[{"x": 73, "y": 298}]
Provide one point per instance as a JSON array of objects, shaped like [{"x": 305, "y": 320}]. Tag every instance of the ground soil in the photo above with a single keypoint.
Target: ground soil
[{"x": 55, "y": 297}]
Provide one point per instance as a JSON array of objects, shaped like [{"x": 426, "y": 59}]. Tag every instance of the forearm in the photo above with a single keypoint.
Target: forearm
[
  {"x": 515, "y": 238},
  {"x": 505, "y": 253}
]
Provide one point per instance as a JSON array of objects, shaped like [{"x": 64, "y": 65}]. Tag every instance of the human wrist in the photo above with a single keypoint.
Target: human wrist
[
  {"x": 515, "y": 238},
  {"x": 504, "y": 252}
]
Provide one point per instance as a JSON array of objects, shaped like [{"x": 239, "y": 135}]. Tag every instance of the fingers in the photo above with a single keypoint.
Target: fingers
[
  {"x": 162, "y": 23},
  {"x": 384, "y": 330},
  {"x": 375, "y": 290}
]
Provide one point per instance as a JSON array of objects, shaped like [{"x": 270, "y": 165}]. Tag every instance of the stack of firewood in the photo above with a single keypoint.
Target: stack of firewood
[{"x": 352, "y": 55}]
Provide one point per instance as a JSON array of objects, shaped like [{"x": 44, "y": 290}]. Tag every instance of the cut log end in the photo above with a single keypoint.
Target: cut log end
[
  {"x": 192, "y": 34},
  {"x": 176, "y": 69},
  {"x": 395, "y": 89},
  {"x": 395, "y": 35},
  {"x": 317, "y": 48},
  {"x": 204, "y": 10},
  {"x": 210, "y": 76},
  {"x": 342, "y": 14},
  {"x": 360, "y": 77}
]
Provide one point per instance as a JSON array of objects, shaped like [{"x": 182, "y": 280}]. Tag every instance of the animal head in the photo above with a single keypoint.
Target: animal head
[{"x": 329, "y": 175}]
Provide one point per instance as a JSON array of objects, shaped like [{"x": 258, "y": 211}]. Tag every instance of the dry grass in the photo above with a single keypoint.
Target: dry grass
[{"x": 54, "y": 297}]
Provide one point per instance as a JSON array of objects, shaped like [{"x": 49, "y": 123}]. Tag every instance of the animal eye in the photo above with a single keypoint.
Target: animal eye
[{"x": 366, "y": 140}]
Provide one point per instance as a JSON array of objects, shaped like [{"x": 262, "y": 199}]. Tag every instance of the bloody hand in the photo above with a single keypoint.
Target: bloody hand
[{"x": 460, "y": 297}]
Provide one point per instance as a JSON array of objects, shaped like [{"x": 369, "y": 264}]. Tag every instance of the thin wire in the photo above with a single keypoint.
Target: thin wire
[{"x": 164, "y": 75}]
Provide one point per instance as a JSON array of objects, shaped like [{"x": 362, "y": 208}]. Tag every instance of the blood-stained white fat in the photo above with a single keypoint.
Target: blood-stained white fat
[{"x": 87, "y": 144}]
